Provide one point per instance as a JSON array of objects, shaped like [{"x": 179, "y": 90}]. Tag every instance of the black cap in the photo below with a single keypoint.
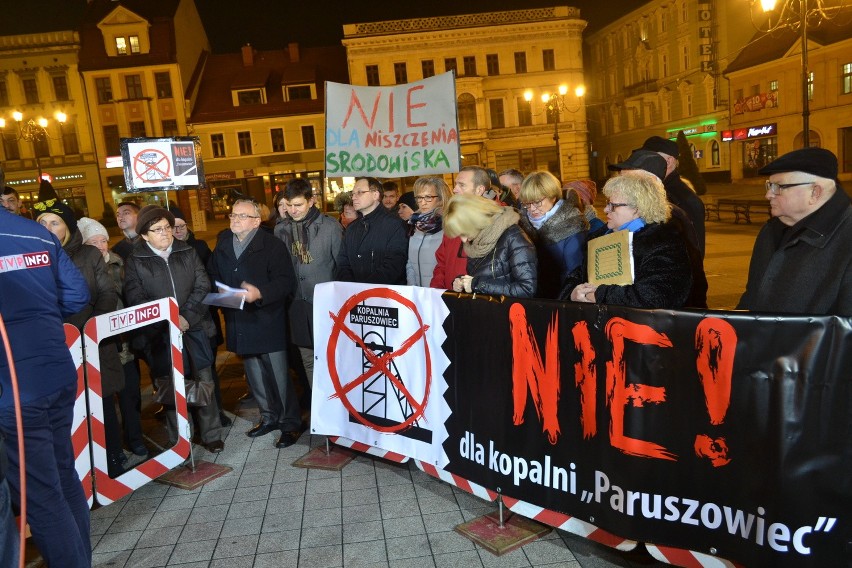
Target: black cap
[
  {"x": 660, "y": 144},
  {"x": 646, "y": 160},
  {"x": 49, "y": 202},
  {"x": 817, "y": 161}
]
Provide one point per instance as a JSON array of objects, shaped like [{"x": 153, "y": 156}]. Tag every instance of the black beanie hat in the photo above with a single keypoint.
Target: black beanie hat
[
  {"x": 408, "y": 199},
  {"x": 48, "y": 202}
]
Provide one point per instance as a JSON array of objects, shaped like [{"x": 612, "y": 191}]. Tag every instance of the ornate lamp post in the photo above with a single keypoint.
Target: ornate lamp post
[
  {"x": 798, "y": 15},
  {"x": 554, "y": 104},
  {"x": 35, "y": 130}
]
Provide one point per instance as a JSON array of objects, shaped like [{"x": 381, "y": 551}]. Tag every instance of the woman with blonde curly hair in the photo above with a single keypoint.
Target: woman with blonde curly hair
[
  {"x": 501, "y": 260},
  {"x": 431, "y": 194},
  {"x": 662, "y": 273}
]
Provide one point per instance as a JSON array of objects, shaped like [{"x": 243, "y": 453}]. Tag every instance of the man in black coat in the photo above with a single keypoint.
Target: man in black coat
[
  {"x": 802, "y": 261},
  {"x": 676, "y": 190},
  {"x": 253, "y": 259},
  {"x": 375, "y": 245}
]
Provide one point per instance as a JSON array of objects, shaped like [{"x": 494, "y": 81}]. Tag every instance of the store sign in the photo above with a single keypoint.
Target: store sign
[
  {"x": 692, "y": 131},
  {"x": 221, "y": 176},
  {"x": 759, "y": 131}
]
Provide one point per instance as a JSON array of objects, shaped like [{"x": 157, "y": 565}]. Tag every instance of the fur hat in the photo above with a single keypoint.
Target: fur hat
[
  {"x": 647, "y": 160},
  {"x": 89, "y": 228},
  {"x": 49, "y": 202},
  {"x": 149, "y": 215}
]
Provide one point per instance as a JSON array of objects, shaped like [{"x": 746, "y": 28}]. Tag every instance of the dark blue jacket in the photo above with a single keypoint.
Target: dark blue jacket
[
  {"x": 39, "y": 287},
  {"x": 374, "y": 250}
]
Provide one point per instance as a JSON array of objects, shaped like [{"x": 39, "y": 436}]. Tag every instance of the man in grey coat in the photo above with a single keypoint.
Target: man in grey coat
[
  {"x": 313, "y": 240},
  {"x": 802, "y": 259}
]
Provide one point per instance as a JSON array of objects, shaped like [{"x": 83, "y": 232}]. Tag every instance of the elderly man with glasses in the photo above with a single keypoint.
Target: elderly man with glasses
[
  {"x": 802, "y": 259},
  {"x": 258, "y": 262}
]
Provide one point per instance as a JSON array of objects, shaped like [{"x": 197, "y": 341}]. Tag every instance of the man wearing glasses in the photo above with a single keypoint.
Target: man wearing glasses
[
  {"x": 802, "y": 259},
  {"x": 258, "y": 262},
  {"x": 375, "y": 245}
]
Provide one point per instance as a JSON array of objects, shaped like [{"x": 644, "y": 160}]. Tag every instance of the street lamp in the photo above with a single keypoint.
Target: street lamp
[
  {"x": 34, "y": 130},
  {"x": 554, "y": 104},
  {"x": 797, "y": 14}
]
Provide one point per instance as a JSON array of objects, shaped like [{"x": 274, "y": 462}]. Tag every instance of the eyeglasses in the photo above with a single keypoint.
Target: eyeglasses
[
  {"x": 161, "y": 230},
  {"x": 613, "y": 206},
  {"x": 776, "y": 188},
  {"x": 534, "y": 204},
  {"x": 180, "y": 227},
  {"x": 426, "y": 198},
  {"x": 242, "y": 216},
  {"x": 362, "y": 192}
]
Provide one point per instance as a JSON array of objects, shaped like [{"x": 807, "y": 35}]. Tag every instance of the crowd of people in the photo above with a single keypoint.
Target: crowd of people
[{"x": 521, "y": 236}]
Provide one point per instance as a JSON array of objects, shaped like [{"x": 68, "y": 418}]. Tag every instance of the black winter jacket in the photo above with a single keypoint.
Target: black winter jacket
[
  {"x": 511, "y": 269},
  {"x": 661, "y": 267},
  {"x": 374, "y": 250},
  {"x": 260, "y": 327},
  {"x": 147, "y": 277},
  {"x": 678, "y": 193}
]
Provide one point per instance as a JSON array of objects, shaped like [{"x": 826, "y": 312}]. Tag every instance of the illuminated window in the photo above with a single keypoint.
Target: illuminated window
[
  {"x": 715, "y": 157},
  {"x": 846, "y": 79},
  {"x": 773, "y": 86},
  {"x": 811, "y": 86},
  {"x": 134, "y": 44},
  {"x": 121, "y": 45}
]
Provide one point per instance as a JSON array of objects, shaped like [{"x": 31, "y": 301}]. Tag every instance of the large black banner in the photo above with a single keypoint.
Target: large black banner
[{"x": 720, "y": 432}]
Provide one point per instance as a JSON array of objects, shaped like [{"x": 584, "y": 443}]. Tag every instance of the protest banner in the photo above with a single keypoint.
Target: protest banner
[
  {"x": 161, "y": 163},
  {"x": 723, "y": 433},
  {"x": 392, "y": 131}
]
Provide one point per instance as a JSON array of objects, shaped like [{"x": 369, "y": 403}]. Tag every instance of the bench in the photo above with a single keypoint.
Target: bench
[{"x": 741, "y": 208}]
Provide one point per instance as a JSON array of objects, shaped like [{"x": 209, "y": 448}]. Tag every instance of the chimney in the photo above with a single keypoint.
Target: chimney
[
  {"x": 293, "y": 48},
  {"x": 248, "y": 55}
]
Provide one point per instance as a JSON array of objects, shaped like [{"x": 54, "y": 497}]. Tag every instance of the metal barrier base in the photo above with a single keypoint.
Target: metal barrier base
[
  {"x": 187, "y": 478},
  {"x": 329, "y": 457},
  {"x": 515, "y": 532}
]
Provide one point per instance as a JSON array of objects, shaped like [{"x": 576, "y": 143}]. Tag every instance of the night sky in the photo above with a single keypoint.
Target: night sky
[{"x": 270, "y": 24}]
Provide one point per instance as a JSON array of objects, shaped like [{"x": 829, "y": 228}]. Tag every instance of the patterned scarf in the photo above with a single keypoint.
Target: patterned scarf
[
  {"x": 429, "y": 223},
  {"x": 299, "y": 233}
]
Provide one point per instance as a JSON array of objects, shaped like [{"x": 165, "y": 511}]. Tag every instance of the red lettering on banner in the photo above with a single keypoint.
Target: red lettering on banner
[
  {"x": 410, "y": 107},
  {"x": 716, "y": 343},
  {"x": 619, "y": 394},
  {"x": 528, "y": 370},
  {"x": 355, "y": 103},
  {"x": 586, "y": 378}
]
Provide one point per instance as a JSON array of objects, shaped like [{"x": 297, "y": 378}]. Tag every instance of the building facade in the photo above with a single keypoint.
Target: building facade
[
  {"x": 260, "y": 119},
  {"x": 39, "y": 79},
  {"x": 497, "y": 58},
  {"x": 767, "y": 94},
  {"x": 658, "y": 70},
  {"x": 140, "y": 63}
]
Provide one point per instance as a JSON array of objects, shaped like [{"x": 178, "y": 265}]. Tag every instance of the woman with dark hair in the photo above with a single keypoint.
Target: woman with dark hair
[
  {"x": 557, "y": 228},
  {"x": 662, "y": 273},
  {"x": 500, "y": 257},
  {"x": 430, "y": 194},
  {"x": 161, "y": 266}
]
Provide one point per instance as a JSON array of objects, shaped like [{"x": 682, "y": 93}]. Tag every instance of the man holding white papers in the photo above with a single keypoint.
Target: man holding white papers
[{"x": 254, "y": 260}]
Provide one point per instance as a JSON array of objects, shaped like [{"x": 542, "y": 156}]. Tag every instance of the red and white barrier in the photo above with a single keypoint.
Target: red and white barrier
[
  {"x": 96, "y": 330},
  {"x": 79, "y": 423},
  {"x": 455, "y": 480},
  {"x": 687, "y": 558},
  {"x": 365, "y": 449}
]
